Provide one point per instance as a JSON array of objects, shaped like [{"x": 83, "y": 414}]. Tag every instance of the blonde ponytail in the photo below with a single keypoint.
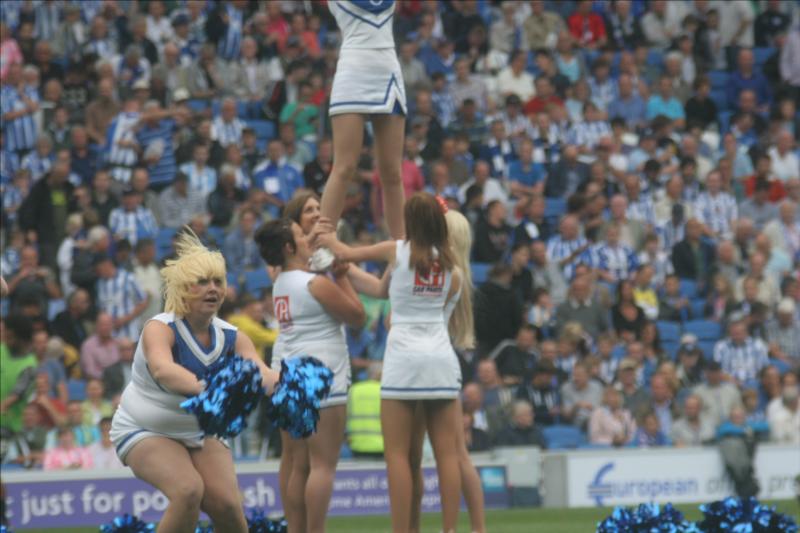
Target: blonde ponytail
[{"x": 461, "y": 325}]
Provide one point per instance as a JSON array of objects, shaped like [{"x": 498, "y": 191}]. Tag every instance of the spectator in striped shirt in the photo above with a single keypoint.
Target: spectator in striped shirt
[
  {"x": 568, "y": 246},
  {"x": 177, "y": 203},
  {"x": 587, "y": 133},
  {"x": 741, "y": 356},
  {"x": 613, "y": 260},
  {"x": 715, "y": 208},
  {"x": 119, "y": 295},
  {"x": 202, "y": 178},
  {"x": 17, "y": 106},
  {"x": 226, "y": 129},
  {"x": 640, "y": 205},
  {"x": 155, "y": 139},
  {"x": 132, "y": 221},
  {"x": 40, "y": 161}
]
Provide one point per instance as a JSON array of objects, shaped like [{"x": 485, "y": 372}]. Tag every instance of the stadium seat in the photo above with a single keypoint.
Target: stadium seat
[
  {"x": 698, "y": 307},
  {"x": 76, "y": 389},
  {"x": 257, "y": 280},
  {"x": 718, "y": 79},
  {"x": 704, "y": 330},
  {"x": 762, "y": 54},
  {"x": 233, "y": 279},
  {"x": 724, "y": 120},
  {"x": 720, "y": 98},
  {"x": 218, "y": 234},
  {"x": 782, "y": 366},
  {"x": 671, "y": 348},
  {"x": 264, "y": 129},
  {"x": 655, "y": 57},
  {"x": 164, "y": 242},
  {"x": 688, "y": 288},
  {"x": 480, "y": 273},
  {"x": 54, "y": 307},
  {"x": 562, "y": 436},
  {"x": 554, "y": 207},
  {"x": 707, "y": 347},
  {"x": 197, "y": 106},
  {"x": 668, "y": 331}
]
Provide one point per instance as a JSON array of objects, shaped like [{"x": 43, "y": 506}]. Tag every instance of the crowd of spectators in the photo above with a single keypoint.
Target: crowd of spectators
[{"x": 630, "y": 169}]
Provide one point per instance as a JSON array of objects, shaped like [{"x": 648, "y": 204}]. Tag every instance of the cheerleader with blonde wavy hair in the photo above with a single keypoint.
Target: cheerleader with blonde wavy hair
[{"x": 161, "y": 442}]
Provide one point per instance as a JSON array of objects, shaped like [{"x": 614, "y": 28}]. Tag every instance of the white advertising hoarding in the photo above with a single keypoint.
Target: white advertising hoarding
[{"x": 629, "y": 477}]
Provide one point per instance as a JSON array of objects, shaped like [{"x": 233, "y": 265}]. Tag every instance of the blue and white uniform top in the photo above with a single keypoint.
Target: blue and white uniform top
[
  {"x": 307, "y": 329},
  {"x": 368, "y": 77},
  {"x": 365, "y": 24},
  {"x": 147, "y": 409}
]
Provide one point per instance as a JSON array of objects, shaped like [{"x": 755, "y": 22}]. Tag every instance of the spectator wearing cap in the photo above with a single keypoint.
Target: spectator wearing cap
[
  {"x": 178, "y": 203},
  {"x": 514, "y": 79},
  {"x": 132, "y": 221},
  {"x": 611, "y": 424},
  {"x": 741, "y": 356},
  {"x": 783, "y": 334},
  {"x": 119, "y": 295},
  {"x": 784, "y": 420},
  {"x": 690, "y": 362}
]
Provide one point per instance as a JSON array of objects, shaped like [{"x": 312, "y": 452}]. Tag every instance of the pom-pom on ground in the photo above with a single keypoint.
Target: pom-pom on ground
[
  {"x": 259, "y": 522},
  {"x": 294, "y": 407},
  {"x": 648, "y": 517},
  {"x": 232, "y": 392},
  {"x": 127, "y": 524},
  {"x": 748, "y": 515}
]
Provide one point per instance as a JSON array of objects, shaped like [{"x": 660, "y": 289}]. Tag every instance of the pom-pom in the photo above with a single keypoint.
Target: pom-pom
[
  {"x": 651, "y": 518},
  {"x": 4, "y": 529},
  {"x": 127, "y": 524},
  {"x": 294, "y": 406},
  {"x": 232, "y": 392},
  {"x": 748, "y": 515},
  {"x": 203, "y": 527},
  {"x": 259, "y": 522}
]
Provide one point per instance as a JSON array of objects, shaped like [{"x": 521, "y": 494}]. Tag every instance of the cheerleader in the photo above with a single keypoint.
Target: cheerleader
[
  {"x": 368, "y": 84},
  {"x": 162, "y": 443},
  {"x": 420, "y": 366},
  {"x": 311, "y": 309}
]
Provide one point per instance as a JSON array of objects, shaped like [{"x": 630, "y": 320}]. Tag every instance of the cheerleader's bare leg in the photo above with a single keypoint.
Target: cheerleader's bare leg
[
  {"x": 397, "y": 421},
  {"x": 222, "y": 500},
  {"x": 323, "y": 451},
  {"x": 348, "y": 138},
  {"x": 389, "y": 141},
  {"x": 167, "y": 465},
  {"x": 442, "y": 429},
  {"x": 285, "y": 469},
  {"x": 415, "y": 459},
  {"x": 470, "y": 480},
  {"x": 295, "y": 506}
]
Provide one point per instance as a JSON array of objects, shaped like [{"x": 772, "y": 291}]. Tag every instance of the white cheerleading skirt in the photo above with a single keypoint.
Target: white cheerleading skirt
[
  {"x": 138, "y": 418},
  {"x": 333, "y": 355},
  {"x": 367, "y": 82},
  {"x": 420, "y": 364}
]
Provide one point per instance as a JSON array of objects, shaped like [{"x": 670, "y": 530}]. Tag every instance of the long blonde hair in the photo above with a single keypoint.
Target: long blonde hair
[
  {"x": 462, "y": 325},
  {"x": 193, "y": 263}
]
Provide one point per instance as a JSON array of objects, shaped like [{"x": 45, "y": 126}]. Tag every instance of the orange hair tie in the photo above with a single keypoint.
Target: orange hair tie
[{"x": 442, "y": 204}]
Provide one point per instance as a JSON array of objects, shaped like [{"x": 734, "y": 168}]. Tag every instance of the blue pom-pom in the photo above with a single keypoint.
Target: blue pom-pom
[
  {"x": 232, "y": 392},
  {"x": 748, "y": 515},
  {"x": 127, "y": 524},
  {"x": 294, "y": 407},
  {"x": 648, "y": 517},
  {"x": 259, "y": 522},
  {"x": 203, "y": 527},
  {"x": 5, "y": 529}
]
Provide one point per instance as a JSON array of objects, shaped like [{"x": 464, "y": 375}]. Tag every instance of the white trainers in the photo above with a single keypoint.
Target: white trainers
[{"x": 321, "y": 260}]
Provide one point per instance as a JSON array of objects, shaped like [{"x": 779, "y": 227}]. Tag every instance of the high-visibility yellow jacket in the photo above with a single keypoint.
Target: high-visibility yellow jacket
[{"x": 364, "y": 417}]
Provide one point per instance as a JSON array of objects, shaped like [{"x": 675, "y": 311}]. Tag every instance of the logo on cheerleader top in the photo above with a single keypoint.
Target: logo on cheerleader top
[
  {"x": 282, "y": 313},
  {"x": 430, "y": 283}
]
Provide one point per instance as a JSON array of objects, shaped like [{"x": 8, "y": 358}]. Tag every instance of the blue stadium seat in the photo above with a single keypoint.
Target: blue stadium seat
[
  {"x": 698, "y": 306},
  {"x": 218, "y": 234},
  {"x": 720, "y": 98},
  {"x": 257, "y": 280},
  {"x": 76, "y": 389},
  {"x": 54, "y": 307},
  {"x": 705, "y": 330},
  {"x": 233, "y": 279},
  {"x": 671, "y": 348},
  {"x": 780, "y": 365},
  {"x": 480, "y": 273},
  {"x": 197, "y": 106},
  {"x": 668, "y": 331},
  {"x": 688, "y": 288},
  {"x": 707, "y": 347},
  {"x": 554, "y": 207},
  {"x": 264, "y": 129},
  {"x": 655, "y": 57},
  {"x": 762, "y": 54},
  {"x": 718, "y": 79},
  {"x": 724, "y": 120},
  {"x": 563, "y": 436},
  {"x": 164, "y": 242}
]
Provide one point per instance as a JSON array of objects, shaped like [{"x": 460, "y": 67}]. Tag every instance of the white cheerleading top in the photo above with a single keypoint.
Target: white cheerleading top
[
  {"x": 304, "y": 323},
  {"x": 417, "y": 298},
  {"x": 365, "y": 24},
  {"x": 187, "y": 352}
]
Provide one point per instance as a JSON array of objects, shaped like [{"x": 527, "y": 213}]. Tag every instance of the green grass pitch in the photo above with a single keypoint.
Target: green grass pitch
[{"x": 504, "y": 521}]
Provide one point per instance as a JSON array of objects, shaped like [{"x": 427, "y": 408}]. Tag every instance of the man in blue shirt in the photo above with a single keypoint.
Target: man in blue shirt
[
  {"x": 664, "y": 103},
  {"x": 277, "y": 178},
  {"x": 627, "y": 105},
  {"x": 746, "y": 77},
  {"x": 155, "y": 140}
]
